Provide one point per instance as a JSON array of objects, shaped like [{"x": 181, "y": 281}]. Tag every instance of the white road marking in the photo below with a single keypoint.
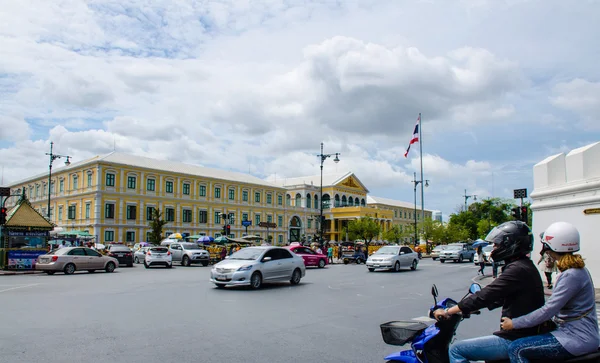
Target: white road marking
[{"x": 18, "y": 287}]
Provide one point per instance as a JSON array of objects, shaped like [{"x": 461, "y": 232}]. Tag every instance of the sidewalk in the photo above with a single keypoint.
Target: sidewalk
[
  {"x": 8, "y": 273},
  {"x": 486, "y": 280}
]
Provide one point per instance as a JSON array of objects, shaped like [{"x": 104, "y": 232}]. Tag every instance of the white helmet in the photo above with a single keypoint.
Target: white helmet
[{"x": 561, "y": 237}]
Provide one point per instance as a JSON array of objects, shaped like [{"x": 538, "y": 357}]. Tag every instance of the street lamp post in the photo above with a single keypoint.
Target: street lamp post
[
  {"x": 52, "y": 158},
  {"x": 467, "y": 198},
  {"x": 337, "y": 160},
  {"x": 417, "y": 182}
]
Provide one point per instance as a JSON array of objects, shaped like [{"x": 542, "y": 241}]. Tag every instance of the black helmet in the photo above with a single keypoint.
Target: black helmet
[{"x": 512, "y": 239}]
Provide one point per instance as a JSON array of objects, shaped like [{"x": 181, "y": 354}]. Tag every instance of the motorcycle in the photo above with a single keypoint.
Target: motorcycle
[{"x": 430, "y": 341}]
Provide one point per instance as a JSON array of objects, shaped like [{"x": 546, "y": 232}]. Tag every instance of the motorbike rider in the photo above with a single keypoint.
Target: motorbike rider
[
  {"x": 518, "y": 290},
  {"x": 572, "y": 304}
]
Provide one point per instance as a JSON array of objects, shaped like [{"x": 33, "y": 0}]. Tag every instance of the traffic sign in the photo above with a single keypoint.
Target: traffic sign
[
  {"x": 4, "y": 192},
  {"x": 246, "y": 223},
  {"x": 520, "y": 193},
  {"x": 267, "y": 225}
]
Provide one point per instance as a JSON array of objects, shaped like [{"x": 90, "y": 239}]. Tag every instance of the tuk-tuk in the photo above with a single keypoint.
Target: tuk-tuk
[{"x": 353, "y": 252}]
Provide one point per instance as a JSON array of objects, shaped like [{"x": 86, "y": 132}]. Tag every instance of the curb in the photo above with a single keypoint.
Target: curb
[{"x": 12, "y": 273}]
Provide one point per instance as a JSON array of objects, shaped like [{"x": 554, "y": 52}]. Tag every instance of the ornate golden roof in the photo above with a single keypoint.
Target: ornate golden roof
[{"x": 23, "y": 215}]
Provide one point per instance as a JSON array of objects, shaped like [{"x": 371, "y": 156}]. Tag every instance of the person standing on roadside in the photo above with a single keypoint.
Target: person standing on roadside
[
  {"x": 330, "y": 254},
  {"x": 549, "y": 268}
]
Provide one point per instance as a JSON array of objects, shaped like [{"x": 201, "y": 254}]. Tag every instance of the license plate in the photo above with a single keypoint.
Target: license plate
[
  {"x": 120, "y": 255},
  {"x": 160, "y": 255},
  {"x": 221, "y": 277}
]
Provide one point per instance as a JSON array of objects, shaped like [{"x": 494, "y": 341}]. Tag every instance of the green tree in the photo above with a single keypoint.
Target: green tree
[
  {"x": 364, "y": 228},
  {"x": 156, "y": 225},
  {"x": 397, "y": 234}
]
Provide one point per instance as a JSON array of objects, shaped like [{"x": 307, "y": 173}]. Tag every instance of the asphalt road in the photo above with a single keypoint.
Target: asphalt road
[{"x": 159, "y": 315}]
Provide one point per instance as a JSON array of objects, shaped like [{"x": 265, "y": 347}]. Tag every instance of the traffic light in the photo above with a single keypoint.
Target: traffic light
[
  {"x": 524, "y": 218},
  {"x": 224, "y": 231},
  {"x": 228, "y": 230},
  {"x": 2, "y": 216},
  {"x": 516, "y": 213}
]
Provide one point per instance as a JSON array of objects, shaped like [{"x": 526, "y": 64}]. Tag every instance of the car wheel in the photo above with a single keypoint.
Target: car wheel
[
  {"x": 414, "y": 265},
  {"x": 460, "y": 259},
  {"x": 50, "y": 272},
  {"x": 110, "y": 267},
  {"x": 472, "y": 258},
  {"x": 296, "y": 276},
  {"x": 146, "y": 265},
  {"x": 185, "y": 261},
  {"x": 136, "y": 260},
  {"x": 220, "y": 286},
  {"x": 205, "y": 263},
  {"x": 69, "y": 269},
  {"x": 434, "y": 258},
  {"x": 397, "y": 266},
  {"x": 442, "y": 261},
  {"x": 170, "y": 265},
  {"x": 321, "y": 263},
  {"x": 256, "y": 280},
  {"x": 346, "y": 261},
  {"x": 371, "y": 269}
]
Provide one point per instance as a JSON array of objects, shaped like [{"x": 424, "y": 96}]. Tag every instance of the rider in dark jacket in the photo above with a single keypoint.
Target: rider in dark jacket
[{"x": 518, "y": 290}]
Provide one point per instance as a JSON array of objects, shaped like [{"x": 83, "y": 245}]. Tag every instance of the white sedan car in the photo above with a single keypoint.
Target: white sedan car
[
  {"x": 393, "y": 258},
  {"x": 255, "y": 265},
  {"x": 160, "y": 256}
]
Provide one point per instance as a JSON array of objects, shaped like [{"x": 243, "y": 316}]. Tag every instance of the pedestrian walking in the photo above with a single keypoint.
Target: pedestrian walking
[
  {"x": 481, "y": 257},
  {"x": 549, "y": 267},
  {"x": 330, "y": 254},
  {"x": 494, "y": 268}
]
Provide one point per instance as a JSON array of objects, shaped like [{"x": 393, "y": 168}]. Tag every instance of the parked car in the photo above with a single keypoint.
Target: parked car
[
  {"x": 257, "y": 265},
  {"x": 458, "y": 252},
  {"x": 122, "y": 253},
  {"x": 310, "y": 257},
  {"x": 393, "y": 258},
  {"x": 71, "y": 259},
  {"x": 487, "y": 252},
  {"x": 435, "y": 254},
  {"x": 187, "y": 253},
  {"x": 140, "y": 255},
  {"x": 158, "y": 256}
]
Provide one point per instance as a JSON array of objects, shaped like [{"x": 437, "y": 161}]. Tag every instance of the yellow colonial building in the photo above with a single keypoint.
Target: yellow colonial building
[{"x": 112, "y": 197}]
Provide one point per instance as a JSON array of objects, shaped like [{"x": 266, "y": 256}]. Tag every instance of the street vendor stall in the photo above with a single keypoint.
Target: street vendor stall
[{"x": 23, "y": 237}]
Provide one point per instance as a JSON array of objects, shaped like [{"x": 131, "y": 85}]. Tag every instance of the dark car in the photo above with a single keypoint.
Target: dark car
[{"x": 123, "y": 254}]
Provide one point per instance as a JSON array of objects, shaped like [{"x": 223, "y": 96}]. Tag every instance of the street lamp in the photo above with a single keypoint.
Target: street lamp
[
  {"x": 467, "y": 198},
  {"x": 52, "y": 158},
  {"x": 336, "y": 160},
  {"x": 417, "y": 182}
]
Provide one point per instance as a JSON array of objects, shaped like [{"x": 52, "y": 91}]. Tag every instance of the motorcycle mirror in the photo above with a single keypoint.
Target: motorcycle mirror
[
  {"x": 434, "y": 290},
  {"x": 474, "y": 288}
]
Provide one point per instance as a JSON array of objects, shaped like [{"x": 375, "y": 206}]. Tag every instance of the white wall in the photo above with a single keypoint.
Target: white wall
[{"x": 565, "y": 186}]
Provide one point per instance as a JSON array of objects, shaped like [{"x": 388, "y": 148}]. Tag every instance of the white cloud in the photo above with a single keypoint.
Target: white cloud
[{"x": 582, "y": 97}]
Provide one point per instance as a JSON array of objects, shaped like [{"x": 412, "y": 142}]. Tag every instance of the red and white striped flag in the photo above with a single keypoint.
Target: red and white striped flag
[{"x": 415, "y": 136}]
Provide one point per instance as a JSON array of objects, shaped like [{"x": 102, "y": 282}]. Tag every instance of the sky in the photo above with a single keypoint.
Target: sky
[{"x": 256, "y": 86}]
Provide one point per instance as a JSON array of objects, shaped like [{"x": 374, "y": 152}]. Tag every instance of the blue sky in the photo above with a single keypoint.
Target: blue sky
[{"x": 257, "y": 86}]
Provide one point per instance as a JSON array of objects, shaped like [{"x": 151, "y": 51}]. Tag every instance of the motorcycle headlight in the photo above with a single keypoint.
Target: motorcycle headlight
[{"x": 245, "y": 268}]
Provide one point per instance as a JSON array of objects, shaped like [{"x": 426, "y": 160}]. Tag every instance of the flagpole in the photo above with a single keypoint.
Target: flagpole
[{"x": 422, "y": 180}]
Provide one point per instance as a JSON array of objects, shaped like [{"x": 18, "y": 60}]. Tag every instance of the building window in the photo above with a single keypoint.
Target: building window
[
  {"x": 279, "y": 221},
  {"x": 187, "y": 216},
  {"x": 109, "y": 211},
  {"x": 130, "y": 236},
  {"x": 269, "y": 199},
  {"x": 131, "y": 212},
  {"x": 298, "y": 202},
  {"x": 151, "y": 185},
  {"x": 244, "y": 216},
  {"x": 280, "y": 239},
  {"x": 217, "y": 217},
  {"x": 75, "y": 182},
  {"x": 110, "y": 179},
  {"x": 202, "y": 192},
  {"x": 231, "y": 218},
  {"x": 202, "y": 216},
  {"x": 148, "y": 236},
  {"x": 52, "y": 188},
  {"x": 71, "y": 212},
  {"x": 231, "y": 194},
  {"x": 256, "y": 219},
  {"x": 60, "y": 211},
  {"x": 88, "y": 207},
  {"x": 280, "y": 200},
  {"x": 245, "y": 196},
  {"x": 170, "y": 214},
  {"x": 109, "y": 236},
  {"x": 309, "y": 224},
  {"x": 257, "y": 197},
  {"x": 149, "y": 213},
  {"x": 37, "y": 191},
  {"x": 269, "y": 218},
  {"x": 186, "y": 188},
  {"x": 61, "y": 186},
  {"x": 89, "y": 180},
  {"x": 131, "y": 181},
  {"x": 217, "y": 192},
  {"x": 169, "y": 187}
]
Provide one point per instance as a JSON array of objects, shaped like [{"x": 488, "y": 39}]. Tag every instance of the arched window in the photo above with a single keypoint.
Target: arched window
[
  {"x": 308, "y": 201},
  {"x": 288, "y": 199},
  {"x": 326, "y": 201},
  {"x": 298, "y": 200},
  {"x": 344, "y": 201},
  {"x": 316, "y": 204},
  {"x": 362, "y": 202},
  {"x": 337, "y": 200},
  {"x": 350, "y": 201}
]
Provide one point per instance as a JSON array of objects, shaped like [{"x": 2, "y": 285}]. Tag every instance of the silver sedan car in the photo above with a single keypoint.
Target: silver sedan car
[{"x": 255, "y": 265}]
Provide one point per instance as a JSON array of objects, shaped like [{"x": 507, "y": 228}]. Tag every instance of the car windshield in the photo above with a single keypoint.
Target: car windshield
[
  {"x": 190, "y": 246},
  {"x": 159, "y": 250},
  {"x": 439, "y": 248},
  {"x": 488, "y": 248},
  {"x": 387, "y": 251},
  {"x": 454, "y": 247},
  {"x": 247, "y": 254}
]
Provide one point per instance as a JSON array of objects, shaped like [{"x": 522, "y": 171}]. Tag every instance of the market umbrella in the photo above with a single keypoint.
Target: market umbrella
[
  {"x": 144, "y": 244},
  {"x": 100, "y": 246},
  {"x": 480, "y": 243},
  {"x": 205, "y": 239},
  {"x": 221, "y": 239},
  {"x": 176, "y": 236}
]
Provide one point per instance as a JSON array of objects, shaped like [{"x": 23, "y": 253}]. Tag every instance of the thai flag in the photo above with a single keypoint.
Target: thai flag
[{"x": 415, "y": 136}]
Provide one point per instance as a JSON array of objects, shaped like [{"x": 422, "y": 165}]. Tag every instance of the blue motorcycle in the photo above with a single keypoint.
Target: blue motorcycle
[{"x": 430, "y": 341}]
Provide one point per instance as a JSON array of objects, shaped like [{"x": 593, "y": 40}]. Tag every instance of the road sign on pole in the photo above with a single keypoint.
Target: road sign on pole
[
  {"x": 4, "y": 192},
  {"x": 520, "y": 193}
]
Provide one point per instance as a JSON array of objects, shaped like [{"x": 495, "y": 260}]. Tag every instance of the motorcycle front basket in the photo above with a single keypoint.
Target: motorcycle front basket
[{"x": 401, "y": 332}]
